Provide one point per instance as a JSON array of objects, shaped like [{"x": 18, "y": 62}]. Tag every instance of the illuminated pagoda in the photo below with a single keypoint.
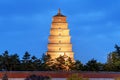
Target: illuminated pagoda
[{"x": 59, "y": 39}]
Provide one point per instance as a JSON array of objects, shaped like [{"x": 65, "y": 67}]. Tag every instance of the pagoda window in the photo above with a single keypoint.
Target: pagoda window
[
  {"x": 59, "y": 49},
  {"x": 60, "y": 41},
  {"x": 59, "y": 34}
]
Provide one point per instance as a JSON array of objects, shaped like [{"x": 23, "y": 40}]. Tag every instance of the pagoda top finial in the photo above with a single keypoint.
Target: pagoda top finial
[{"x": 59, "y": 12}]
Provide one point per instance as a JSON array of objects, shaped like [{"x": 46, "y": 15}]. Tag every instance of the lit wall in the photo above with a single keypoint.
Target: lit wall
[{"x": 59, "y": 38}]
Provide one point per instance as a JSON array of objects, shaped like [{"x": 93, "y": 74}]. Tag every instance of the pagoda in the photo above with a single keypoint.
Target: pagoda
[{"x": 59, "y": 39}]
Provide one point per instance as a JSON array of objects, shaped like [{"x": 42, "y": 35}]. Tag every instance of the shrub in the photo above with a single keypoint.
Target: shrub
[
  {"x": 39, "y": 77},
  {"x": 117, "y": 78},
  {"x": 76, "y": 77}
]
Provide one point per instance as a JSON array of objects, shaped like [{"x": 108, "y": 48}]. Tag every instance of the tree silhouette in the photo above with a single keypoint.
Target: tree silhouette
[
  {"x": 92, "y": 65},
  {"x": 78, "y": 65}
]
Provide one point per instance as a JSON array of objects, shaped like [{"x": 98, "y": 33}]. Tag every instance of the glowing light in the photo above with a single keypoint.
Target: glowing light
[{"x": 59, "y": 39}]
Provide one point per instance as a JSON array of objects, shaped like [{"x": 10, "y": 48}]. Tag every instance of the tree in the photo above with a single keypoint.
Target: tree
[
  {"x": 113, "y": 62},
  {"x": 117, "y": 49},
  {"x": 47, "y": 63},
  {"x": 92, "y": 65},
  {"x": 78, "y": 65},
  {"x": 117, "y": 66},
  {"x": 60, "y": 63},
  {"x": 36, "y": 63},
  {"x": 26, "y": 57},
  {"x": 108, "y": 67},
  {"x": 26, "y": 62},
  {"x": 30, "y": 63},
  {"x": 115, "y": 55},
  {"x": 64, "y": 63},
  {"x": 14, "y": 62},
  {"x": 9, "y": 62},
  {"x": 5, "y": 60}
]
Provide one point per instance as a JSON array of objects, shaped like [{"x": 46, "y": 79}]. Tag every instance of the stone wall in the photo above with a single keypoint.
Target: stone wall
[
  {"x": 61, "y": 75},
  {"x": 101, "y": 79},
  {"x": 64, "y": 79}
]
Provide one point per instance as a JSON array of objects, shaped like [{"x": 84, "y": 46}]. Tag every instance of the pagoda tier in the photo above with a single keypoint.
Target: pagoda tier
[
  {"x": 58, "y": 32},
  {"x": 59, "y": 39}
]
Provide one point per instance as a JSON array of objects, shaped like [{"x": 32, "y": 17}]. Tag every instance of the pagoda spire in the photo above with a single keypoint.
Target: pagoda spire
[{"x": 59, "y": 11}]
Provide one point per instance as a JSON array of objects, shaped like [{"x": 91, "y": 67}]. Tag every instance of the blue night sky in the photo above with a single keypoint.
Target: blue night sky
[{"x": 94, "y": 26}]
